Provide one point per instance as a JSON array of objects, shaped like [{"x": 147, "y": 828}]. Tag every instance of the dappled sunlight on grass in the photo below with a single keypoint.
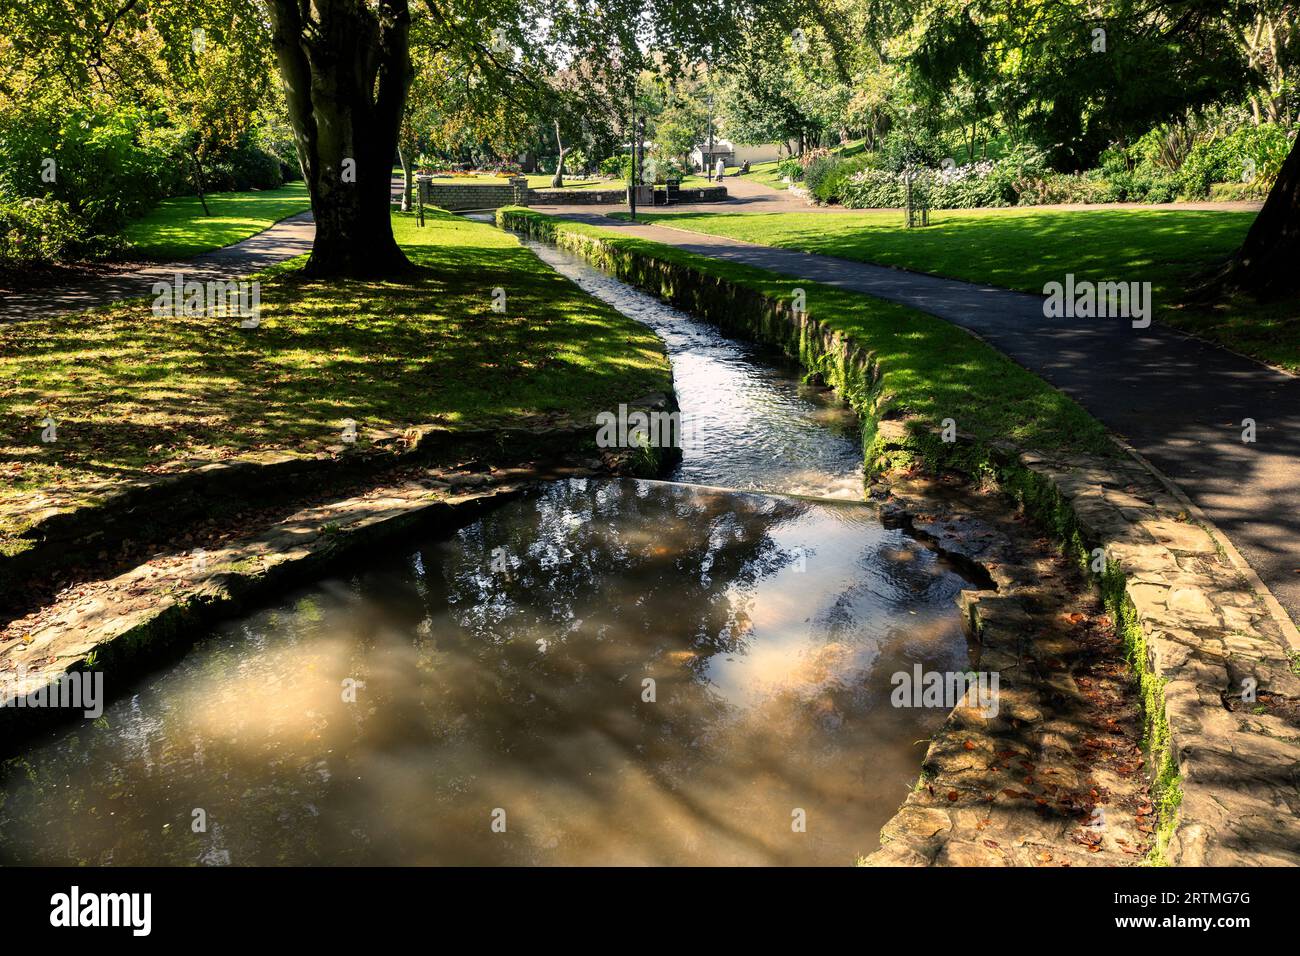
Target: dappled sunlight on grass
[{"x": 134, "y": 394}]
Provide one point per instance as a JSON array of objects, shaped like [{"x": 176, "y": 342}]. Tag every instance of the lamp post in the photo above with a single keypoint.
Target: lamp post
[
  {"x": 708, "y": 159},
  {"x": 638, "y": 130}
]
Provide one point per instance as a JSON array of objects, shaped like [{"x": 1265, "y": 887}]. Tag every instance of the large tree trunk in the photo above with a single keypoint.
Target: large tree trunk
[
  {"x": 1265, "y": 265},
  {"x": 346, "y": 69}
]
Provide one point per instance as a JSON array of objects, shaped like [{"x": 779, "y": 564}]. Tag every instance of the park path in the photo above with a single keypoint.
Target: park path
[
  {"x": 1178, "y": 400},
  {"x": 287, "y": 238}
]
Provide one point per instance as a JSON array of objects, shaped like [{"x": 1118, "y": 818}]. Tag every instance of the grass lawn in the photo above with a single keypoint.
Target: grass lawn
[
  {"x": 932, "y": 369},
  {"x": 763, "y": 173},
  {"x": 178, "y": 229},
  {"x": 133, "y": 394},
  {"x": 1026, "y": 248}
]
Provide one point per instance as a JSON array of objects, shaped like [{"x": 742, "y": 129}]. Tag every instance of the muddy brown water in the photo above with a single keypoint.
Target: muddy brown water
[{"x": 599, "y": 672}]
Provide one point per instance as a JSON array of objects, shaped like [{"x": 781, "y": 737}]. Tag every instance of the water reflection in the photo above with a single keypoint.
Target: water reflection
[{"x": 505, "y": 667}]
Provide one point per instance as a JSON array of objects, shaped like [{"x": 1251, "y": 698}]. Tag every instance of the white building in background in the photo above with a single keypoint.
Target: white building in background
[{"x": 733, "y": 155}]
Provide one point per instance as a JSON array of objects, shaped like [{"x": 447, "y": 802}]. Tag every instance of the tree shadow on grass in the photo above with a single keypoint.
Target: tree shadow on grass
[{"x": 132, "y": 392}]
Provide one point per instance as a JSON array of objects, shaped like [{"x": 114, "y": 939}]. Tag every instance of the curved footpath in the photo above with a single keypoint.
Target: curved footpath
[
  {"x": 1179, "y": 401},
  {"x": 286, "y": 239}
]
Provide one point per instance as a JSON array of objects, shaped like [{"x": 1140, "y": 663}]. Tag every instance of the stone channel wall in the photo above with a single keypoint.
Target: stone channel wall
[{"x": 1214, "y": 658}]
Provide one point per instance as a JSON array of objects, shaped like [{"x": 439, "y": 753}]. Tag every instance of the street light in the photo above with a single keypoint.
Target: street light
[{"x": 638, "y": 130}]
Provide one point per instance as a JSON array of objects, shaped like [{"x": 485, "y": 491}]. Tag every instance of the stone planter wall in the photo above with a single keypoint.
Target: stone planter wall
[
  {"x": 1215, "y": 662},
  {"x": 455, "y": 196}
]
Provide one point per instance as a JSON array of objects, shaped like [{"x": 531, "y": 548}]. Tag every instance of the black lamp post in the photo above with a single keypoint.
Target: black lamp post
[
  {"x": 638, "y": 130},
  {"x": 708, "y": 157}
]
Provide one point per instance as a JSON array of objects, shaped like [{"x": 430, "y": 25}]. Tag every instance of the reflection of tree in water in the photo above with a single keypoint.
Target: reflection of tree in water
[
  {"x": 620, "y": 580},
  {"x": 652, "y": 563},
  {"x": 462, "y": 710},
  {"x": 122, "y": 790}
]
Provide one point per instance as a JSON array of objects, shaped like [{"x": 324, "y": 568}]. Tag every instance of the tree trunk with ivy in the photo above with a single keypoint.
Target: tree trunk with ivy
[{"x": 346, "y": 70}]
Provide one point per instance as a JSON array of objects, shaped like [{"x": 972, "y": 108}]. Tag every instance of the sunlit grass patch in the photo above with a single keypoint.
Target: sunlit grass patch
[{"x": 177, "y": 228}]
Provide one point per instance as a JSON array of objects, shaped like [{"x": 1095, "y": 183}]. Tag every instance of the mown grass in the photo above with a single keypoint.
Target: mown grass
[
  {"x": 177, "y": 228},
  {"x": 765, "y": 174},
  {"x": 931, "y": 368},
  {"x": 1026, "y": 248},
  {"x": 133, "y": 394}
]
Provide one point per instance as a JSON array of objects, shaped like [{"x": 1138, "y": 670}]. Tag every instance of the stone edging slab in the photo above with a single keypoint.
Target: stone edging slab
[{"x": 1215, "y": 666}]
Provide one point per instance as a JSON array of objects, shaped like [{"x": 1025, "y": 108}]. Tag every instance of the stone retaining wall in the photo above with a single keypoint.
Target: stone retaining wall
[
  {"x": 1215, "y": 664},
  {"x": 456, "y": 196},
  {"x": 582, "y": 197}
]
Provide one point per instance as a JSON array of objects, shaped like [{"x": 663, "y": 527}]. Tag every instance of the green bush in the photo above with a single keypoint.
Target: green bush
[
  {"x": 36, "y": 231},
  {"x": 1144, "y": 184},
  {"x": 790, "y": 168},
  {"x": 985, "y": 183},
  {"x": 832, "y": 177},
  {"x": 1250, "y": 154},
  {"x": 1239, "y": 192},
  {"x": 284, "y": 150},
  {"x": 818, "y": 168},
  {"x": 108, "y": 165},
  {"x": 248, "y": 166},
  {"x": 612, "y": 166},
  {"x": 873, "y": 189},
  {"x": 1053, "y": 188}
]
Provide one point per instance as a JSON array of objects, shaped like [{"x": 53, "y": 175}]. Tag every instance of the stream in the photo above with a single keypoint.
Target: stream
[{"x": 602, "y": 671}]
